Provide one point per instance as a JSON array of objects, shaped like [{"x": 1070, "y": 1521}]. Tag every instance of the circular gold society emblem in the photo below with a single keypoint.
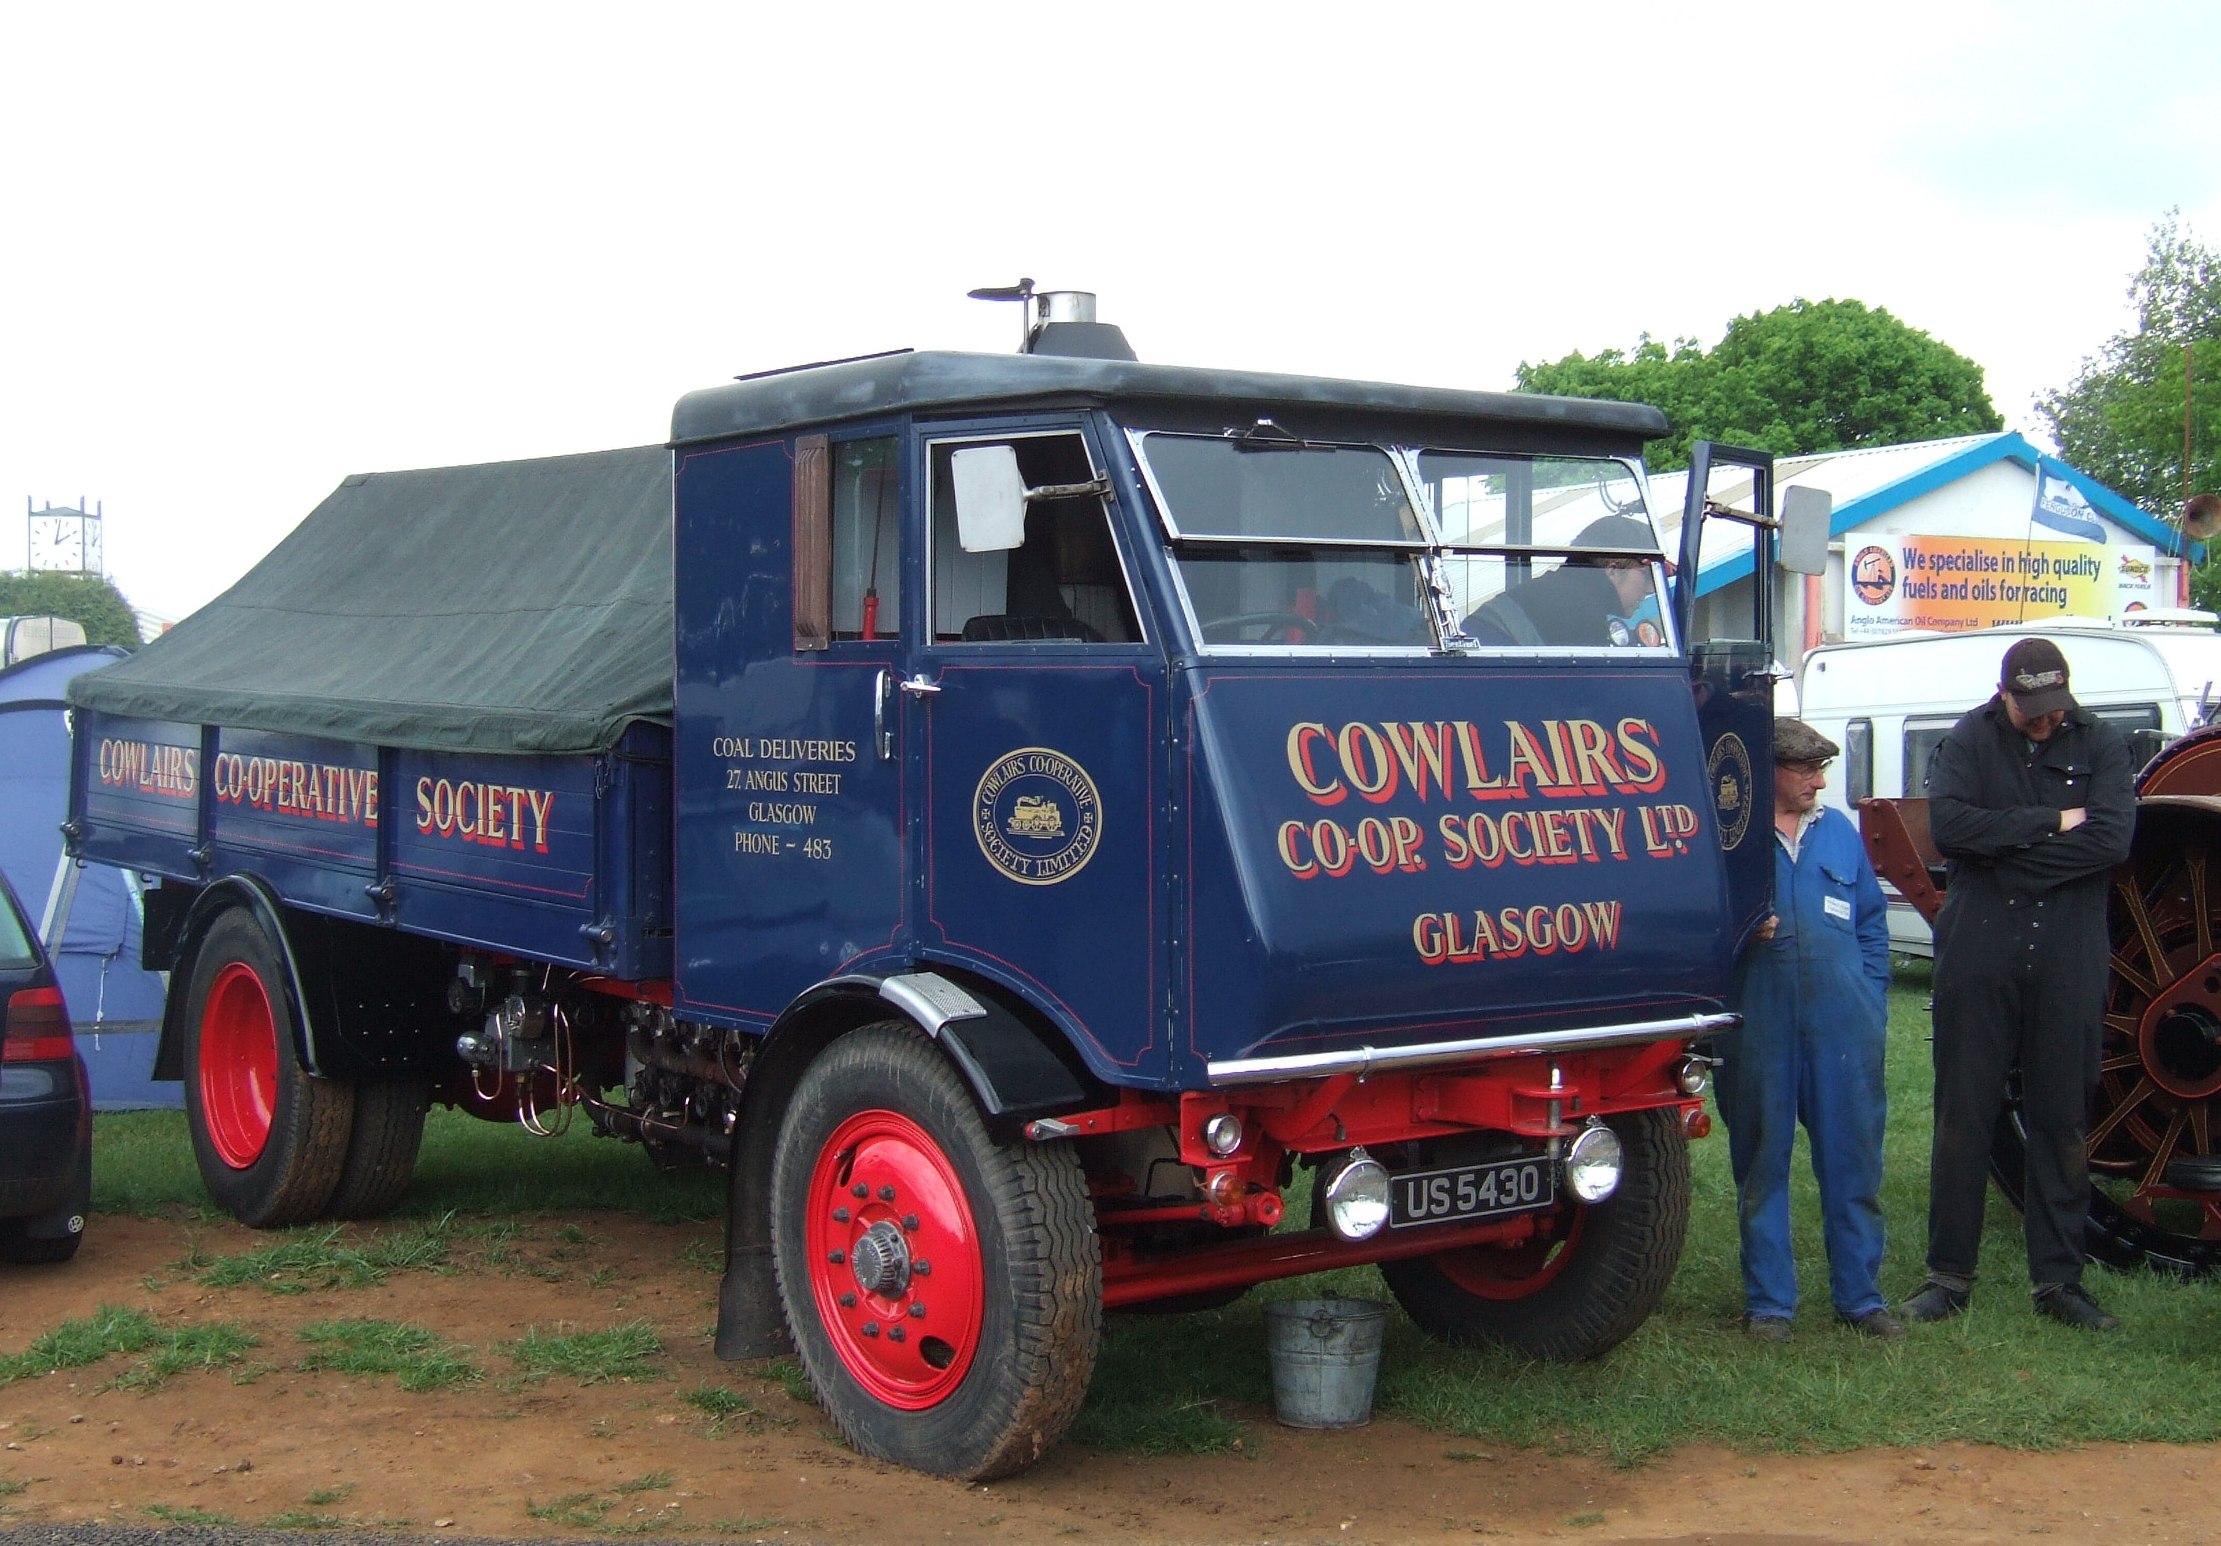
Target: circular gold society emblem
[
  {"x": 1729, "y": 771},
  {"x": 1037, "y": 816}
]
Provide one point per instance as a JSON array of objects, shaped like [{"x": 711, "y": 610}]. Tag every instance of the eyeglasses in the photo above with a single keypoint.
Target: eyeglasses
[{"x": 1806, "y": 769}]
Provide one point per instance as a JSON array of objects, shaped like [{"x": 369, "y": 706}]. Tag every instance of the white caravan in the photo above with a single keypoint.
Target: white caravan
[{"x": 1889, "y": 702}]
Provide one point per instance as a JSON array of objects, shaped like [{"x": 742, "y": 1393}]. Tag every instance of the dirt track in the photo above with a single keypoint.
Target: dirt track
[{"x": 477, "y": 1460}]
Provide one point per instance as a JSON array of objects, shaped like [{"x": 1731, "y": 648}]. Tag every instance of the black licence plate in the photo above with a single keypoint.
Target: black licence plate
[{"x": 1471, "y": 1191}]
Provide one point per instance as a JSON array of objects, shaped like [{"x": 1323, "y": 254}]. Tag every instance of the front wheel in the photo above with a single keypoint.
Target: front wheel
[
  {"x": 943, "y": 1290},
  {"x": 1581, "y": 1287},
  {"x": 270, "y": 1139}
]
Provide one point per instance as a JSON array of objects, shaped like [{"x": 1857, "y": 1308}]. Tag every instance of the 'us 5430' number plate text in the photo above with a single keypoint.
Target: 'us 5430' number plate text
[{"x": 1471, "y": 1191}]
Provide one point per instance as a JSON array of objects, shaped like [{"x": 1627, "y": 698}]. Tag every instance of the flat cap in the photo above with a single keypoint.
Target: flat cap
[{"x": 1796, "y": 741}]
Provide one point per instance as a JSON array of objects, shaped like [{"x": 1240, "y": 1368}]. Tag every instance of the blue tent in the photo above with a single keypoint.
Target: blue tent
[{"x": 116, "y": 1007}]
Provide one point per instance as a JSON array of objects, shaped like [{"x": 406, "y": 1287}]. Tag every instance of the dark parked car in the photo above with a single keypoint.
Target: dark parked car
[{"x": 46, "y": 1109}]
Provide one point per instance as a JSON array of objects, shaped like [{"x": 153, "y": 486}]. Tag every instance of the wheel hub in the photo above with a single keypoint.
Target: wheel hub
[
  {"x": 895, "y": 1259},
  {"x": 2179, "y": 1037},
  {"x": 238, "y": 1073},
  {"x": 881, "y": 1260},
  {"x": 2186, "y": 1046}
]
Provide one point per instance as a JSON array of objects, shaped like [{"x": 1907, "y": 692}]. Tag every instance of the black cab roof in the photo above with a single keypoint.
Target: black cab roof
[{"x": 931, "y": 381}]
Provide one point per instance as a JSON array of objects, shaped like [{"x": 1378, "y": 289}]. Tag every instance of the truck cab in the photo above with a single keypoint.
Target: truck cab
[{"x": 1187, "y": 745}]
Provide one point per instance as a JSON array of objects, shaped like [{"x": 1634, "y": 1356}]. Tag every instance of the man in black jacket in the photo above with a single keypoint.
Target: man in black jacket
[
  {"x": 2030, "y": 801},
  {"x": 1586, "y": 600}
]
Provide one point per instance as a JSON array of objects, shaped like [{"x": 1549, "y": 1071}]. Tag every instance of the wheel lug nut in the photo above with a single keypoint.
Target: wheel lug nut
[
  {"x": 886, "y": 1194},
  {"x": 840, "y": 1215},
  {"x": 859, "y": 1190},
  {"x": 896, "y": 1334},
  {"x": 871, "y": 1328},
  {"x": 923, "y": 1269},
  {"x": 836, "y": 1257},
  {"x": 910, "y": 1222},
  {"x": 917, "y": 1312},
  {"x": 848, "y": 1301}
]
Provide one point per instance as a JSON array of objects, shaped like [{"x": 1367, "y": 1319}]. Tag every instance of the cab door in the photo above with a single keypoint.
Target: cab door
[
  {"x": 1730, "y": 509},
  {"x": 1033, "y": 717},
  {"x": 793, "y": 864}
]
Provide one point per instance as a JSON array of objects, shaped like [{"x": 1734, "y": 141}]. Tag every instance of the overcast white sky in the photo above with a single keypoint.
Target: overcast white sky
[{"x": 251, "y": 249}]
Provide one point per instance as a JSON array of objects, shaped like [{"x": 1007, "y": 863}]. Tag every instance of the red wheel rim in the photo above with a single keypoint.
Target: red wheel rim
[
  {"x": 238, "y": 1065},
  {"x": 895, "y": 1265},
  {"x": 1514, "y": 1272}
]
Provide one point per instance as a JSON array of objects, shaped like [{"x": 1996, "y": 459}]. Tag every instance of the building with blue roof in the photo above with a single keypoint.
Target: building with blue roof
[{"x": 1944, "y": 535}]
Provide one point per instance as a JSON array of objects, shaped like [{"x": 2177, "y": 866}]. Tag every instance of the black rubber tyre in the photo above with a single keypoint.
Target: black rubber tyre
[
  {"x": 2167, "y": 1237},
  {"x": 270, "y": 1140},
  {"x": 382, "y": 1149},
  {"x": 1584, "y": 1291},
  {"x": 1024, "y": 1306}
]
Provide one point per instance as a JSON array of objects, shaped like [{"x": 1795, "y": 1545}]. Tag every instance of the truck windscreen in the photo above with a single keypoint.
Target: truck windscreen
[{"x": 1281, "y": 543}]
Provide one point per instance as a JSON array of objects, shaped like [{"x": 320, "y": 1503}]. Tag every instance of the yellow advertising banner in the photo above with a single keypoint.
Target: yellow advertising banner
[{"x": 1949, "y": 584}]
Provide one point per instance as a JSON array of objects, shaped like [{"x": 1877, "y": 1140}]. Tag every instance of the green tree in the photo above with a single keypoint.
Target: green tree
[
  {"x": 84, "y": 599},
  {"x": 2121, "y": 419},
  {"x": 1808, "y": 376}
]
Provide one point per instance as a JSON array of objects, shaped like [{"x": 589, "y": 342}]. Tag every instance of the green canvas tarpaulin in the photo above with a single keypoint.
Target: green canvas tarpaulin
[{"x": 509, "y": 607}]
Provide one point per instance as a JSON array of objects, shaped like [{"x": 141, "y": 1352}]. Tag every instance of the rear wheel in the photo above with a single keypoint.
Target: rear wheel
[
  {"x": 270, "y": 1139},
  {"x": 943, "y": 1290},
  {"x": 382, "y": 1147},
  {"x": 2154, "y": 1135},
  {"x": 1581, "y": 1287}
]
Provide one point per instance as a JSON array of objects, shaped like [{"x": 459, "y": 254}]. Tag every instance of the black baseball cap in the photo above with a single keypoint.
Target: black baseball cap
[{"x": 2035, "y": 673}]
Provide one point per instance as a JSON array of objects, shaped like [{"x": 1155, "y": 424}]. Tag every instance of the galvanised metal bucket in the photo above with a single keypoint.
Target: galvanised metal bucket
[{"x": 1325, "y": 1360}]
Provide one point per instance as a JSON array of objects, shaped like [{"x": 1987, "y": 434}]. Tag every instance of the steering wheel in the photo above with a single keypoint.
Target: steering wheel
[{"x": 1259, "y": 628}]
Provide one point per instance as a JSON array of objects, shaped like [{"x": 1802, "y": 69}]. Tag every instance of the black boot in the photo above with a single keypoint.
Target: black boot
[
  {"x": 2070, "y": 1305},
  {"x": 1935, "y": 1302}
]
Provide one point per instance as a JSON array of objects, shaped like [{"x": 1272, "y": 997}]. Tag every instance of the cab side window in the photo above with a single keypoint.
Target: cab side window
[
  {"x": 867, "y": 527},
  {"x": 1063, "y": 582}
]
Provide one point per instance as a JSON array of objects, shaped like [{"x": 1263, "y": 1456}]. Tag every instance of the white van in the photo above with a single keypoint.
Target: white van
[
  {"x": 23, "y": 637},
  {"x": 1889, "y": 702}
]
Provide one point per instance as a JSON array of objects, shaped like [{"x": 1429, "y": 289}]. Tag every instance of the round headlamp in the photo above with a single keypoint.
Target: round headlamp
[
  {"x": 1593, "y": 1162},
  {"x": 1355, "y": 1195}
]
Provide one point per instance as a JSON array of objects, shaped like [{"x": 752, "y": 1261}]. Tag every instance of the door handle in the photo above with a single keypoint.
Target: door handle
[
  {"x": 882, "y": 733},
  {"x": 918, "y": 686}
]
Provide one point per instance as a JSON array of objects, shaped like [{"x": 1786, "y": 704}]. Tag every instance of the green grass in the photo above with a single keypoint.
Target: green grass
[
  {"x": 196, "y": 1518},
  {"x": 112, "y": 1331},
  {"x": 591, "y": 1357},
  {"x": 466, "y": 1167},
  {"x": 420, "y": 1359},
  {"x": 590, "y": 1510},
  {"x": 323, "y": 1257}
]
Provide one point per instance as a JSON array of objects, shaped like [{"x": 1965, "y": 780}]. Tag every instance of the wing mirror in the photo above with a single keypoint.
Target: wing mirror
[
  {"x": 990, "y": 498},
  {"x": 1804, "y": 530}
]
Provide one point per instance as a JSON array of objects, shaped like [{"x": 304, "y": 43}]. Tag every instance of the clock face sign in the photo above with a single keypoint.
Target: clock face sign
[{"x": 65, "y": 542}]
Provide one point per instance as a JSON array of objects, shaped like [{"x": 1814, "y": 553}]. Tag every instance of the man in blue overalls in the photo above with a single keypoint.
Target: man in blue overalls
[{"x": 1813, "y": 990}]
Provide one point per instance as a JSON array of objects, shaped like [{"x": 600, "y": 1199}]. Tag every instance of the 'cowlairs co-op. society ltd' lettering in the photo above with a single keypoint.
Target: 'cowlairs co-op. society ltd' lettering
[{"x": 1554, "y": 792}]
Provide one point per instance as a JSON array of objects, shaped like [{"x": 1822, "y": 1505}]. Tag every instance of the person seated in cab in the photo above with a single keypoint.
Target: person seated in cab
[{"x": 1588, "y": 599}]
